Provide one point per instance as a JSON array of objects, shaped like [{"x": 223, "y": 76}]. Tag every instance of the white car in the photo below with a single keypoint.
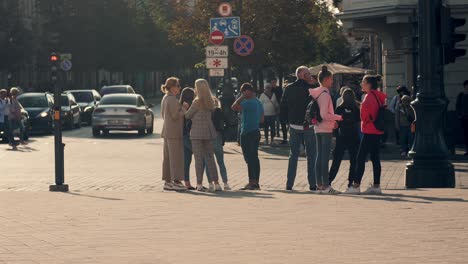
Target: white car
[{"x": 123, "y": 112}]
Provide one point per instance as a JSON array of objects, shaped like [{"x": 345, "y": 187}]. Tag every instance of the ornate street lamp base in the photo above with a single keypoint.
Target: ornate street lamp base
[{"x": 430, "y": 174}]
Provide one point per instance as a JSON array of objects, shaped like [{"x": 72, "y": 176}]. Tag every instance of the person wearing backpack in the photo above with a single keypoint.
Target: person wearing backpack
[
  {"x": 372, "y": 126},
  {"x": 218, "y": 143},
  {"x": 293, "y": 109},
  {"x": 347, "y": 136},
  {"x": 324, "y": 125}
]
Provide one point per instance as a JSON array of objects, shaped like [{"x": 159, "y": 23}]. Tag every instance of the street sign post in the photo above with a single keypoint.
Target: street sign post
[
  {"x": 244, "y": 46},
  {"x": 217, "y": 51},
  {"x": 217, "y": 37},
  {"x": 229, "y": 26},
  {"x": 216, "y": 73},
  {"x": 225, "y": 9},
  {"x": 216, "y": 63}
]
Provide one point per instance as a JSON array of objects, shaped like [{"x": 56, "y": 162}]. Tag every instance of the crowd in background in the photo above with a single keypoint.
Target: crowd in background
[{"x": 11, "y": 112}]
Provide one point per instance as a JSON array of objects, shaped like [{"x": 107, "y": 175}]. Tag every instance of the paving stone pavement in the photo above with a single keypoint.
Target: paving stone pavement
[{"x": 117, "y": 212}]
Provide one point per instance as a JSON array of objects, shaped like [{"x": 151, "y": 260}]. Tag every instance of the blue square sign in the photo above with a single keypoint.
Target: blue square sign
[{"x": 230, "y": 26}]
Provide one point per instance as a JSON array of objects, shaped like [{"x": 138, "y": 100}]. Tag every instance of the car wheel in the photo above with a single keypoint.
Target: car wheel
[
  {"x": 25, "y": 135},
  {"x": 50, "y": 130},
  {"x": 141, "y": 132},
  {"x": 150, "y": 130},
  {"x": 71, "y": 123},
  {"x": 105, "y": 132},
  {"x": 96, "y": 132}
]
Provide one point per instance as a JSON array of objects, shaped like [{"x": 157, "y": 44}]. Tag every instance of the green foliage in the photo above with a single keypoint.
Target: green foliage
[
  {"x": 116, "y": 35},
  {"x": 287, "y": 33}
]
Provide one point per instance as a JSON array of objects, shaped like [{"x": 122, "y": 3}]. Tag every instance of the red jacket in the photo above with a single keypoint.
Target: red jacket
[{"x": 369, "y": 111}]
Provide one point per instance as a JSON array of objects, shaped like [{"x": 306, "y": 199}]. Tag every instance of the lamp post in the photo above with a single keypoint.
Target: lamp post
[{"x": 430, "y": 167}]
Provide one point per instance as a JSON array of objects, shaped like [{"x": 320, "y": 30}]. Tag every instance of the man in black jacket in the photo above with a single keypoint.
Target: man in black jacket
[{"x": 293, "y": 108}]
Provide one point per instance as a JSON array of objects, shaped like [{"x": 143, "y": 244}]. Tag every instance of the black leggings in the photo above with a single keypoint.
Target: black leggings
[
  {"x": 370, "y": 144},
  {"x": 344, "y": 143}
]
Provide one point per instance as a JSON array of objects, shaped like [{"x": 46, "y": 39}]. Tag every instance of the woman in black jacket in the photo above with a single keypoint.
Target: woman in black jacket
[{"x": 347, "y": 137}]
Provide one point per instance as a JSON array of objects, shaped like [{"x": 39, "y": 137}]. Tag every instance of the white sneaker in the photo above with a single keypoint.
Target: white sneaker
[
  {"x": 178, "y": 187},
  {"x": 227, "y": 187},
  {"x": 373, "y": 190},
  {"x": 353, "y": 190},
  {"x": 330, "y": 191},
  {"x": 201, "y": 188},
  {"x": 168, "y": 186},
  {"x": 218, "y": 188},
  {"x": 211, "y": 188}
]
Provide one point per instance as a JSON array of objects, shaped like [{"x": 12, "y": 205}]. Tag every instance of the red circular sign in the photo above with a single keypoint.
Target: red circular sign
[
  {"x": 225, "y": 9},
  {"x": 217, "y": 37},
  {"x": 244, "y": 46}
]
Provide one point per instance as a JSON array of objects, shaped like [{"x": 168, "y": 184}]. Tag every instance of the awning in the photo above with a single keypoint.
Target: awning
[{"x": 336, "y": 68}]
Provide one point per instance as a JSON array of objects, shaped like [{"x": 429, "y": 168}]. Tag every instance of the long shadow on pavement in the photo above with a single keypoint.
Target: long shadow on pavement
[
  {"x": 232, "y": 195},
  {"x": 92, "y": 196}
]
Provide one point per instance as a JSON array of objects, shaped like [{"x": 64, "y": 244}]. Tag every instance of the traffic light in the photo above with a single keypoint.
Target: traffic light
[
  {"x": 449, "y": 36},
  {"x": 54, "y": 59}
]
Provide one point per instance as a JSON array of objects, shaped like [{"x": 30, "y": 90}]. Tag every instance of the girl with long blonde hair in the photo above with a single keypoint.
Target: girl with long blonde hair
[{"x": 202, "y": 134}]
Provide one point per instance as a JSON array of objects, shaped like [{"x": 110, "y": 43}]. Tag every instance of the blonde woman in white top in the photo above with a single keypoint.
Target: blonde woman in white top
[{"x": 271, "y": 109}]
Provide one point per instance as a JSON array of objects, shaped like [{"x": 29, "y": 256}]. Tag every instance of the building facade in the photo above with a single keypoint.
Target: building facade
[{"x": 391, "y": 24}]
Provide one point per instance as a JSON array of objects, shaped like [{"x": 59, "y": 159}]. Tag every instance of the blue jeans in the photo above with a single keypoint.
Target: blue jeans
[
  {"x": 219, "y": 154},
  {"x": 297, "y": 137},
  {"x": 323, "y": 155},
  {"x": 187, "y": 157}
]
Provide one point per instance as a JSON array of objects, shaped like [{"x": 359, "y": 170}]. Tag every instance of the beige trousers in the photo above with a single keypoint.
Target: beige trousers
[
  {"x": 203, "y": 150},
  {"x": 173, "y": 160}
]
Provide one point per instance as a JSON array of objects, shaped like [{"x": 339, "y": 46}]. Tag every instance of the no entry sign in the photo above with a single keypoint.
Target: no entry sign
[
  {"x": 244, "y": 46},
  {"x": 217, "y": 37}
]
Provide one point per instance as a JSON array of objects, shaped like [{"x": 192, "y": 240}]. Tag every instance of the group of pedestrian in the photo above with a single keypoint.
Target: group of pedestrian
[
  {"x": 313, "y": 120},
  {"x": 10, "y": 117},
  {"x": 404, "y": 117},
  {"x": 192, "y": 127}
]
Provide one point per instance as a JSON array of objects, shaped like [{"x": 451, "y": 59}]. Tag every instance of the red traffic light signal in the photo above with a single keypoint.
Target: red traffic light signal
[{"x": 54, "y": 58}]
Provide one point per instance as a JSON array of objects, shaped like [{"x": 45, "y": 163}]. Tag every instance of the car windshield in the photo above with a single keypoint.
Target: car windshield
[
  {"x": 118, "y": 100},
  {"x": 64, "y": 101},
  {"x": 83, "y": 97},
  {"x": 38, "y": 101},
  {"x": 113, "y": 90}
]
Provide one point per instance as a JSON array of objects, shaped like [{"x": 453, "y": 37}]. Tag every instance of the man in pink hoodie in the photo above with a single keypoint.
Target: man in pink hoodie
[{"x": 324, "y": 129}]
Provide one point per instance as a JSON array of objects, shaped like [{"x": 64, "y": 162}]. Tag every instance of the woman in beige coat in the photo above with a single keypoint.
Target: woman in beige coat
[
  {"x": 172, "y": 132},
  {"x": 202, "y": 134}
]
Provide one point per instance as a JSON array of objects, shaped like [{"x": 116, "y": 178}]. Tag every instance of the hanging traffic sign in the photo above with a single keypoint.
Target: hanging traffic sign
[
  {"x": 229, "y": 26},
  {"x": 216, "y": 72},
  {"x": 216, "y": 63},
  {"x": 225, "y": 9},
  {"x": 244, "y": 46},
  {"x": 217, "y": 51},
  {"x": 66, "y": 65},
  {"x": 217, "y": 37}
]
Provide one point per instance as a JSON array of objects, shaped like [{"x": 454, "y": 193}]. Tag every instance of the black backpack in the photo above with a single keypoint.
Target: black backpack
[
  {"x": 218, "y": 119},
  {"x": 312, "y": 116},
  {"x": 379, "y": 121}
]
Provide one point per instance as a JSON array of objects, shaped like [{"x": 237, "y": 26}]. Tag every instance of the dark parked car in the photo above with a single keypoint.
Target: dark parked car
[
  {"x": 70, "y": 112},
  {"x": 116, "y": 89},
  {"x": 25, "y": 121},
  {"x": 40, "y": 109},
  {"x": 124, "y": 112},
  {"x": 87, "y": 100}
]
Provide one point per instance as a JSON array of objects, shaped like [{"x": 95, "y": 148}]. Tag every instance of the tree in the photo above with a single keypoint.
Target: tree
[{"x": 286, "y": 33}]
